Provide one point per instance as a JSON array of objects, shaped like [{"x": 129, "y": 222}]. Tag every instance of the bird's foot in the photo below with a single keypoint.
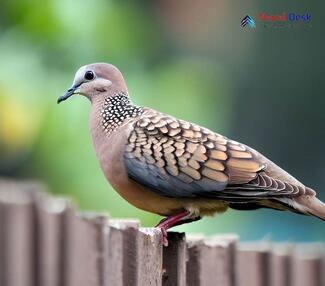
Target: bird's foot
[
  {"x": 171, "y": 221},
  {"x": 164, "y": 236}
]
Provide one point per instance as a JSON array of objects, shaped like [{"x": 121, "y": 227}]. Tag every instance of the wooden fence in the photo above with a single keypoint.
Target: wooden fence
[{"x": 45, "y": 242}]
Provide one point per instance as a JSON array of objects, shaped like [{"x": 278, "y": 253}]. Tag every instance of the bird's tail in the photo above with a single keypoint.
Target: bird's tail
[{"x": 311, "y": 205}]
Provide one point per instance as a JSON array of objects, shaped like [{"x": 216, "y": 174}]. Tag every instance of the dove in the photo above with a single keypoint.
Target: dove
[{"x": 178, "y": 169}]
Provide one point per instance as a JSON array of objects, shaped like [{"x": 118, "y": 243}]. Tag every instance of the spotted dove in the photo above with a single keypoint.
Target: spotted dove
[{"x": 175, "y": 168}]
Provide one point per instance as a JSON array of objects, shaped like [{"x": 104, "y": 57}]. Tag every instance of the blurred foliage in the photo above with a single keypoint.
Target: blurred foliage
[{"x": 191, "y": 60}]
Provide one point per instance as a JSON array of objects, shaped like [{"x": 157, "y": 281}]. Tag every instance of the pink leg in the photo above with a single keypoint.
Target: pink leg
[{"x": 171, "y": 221}]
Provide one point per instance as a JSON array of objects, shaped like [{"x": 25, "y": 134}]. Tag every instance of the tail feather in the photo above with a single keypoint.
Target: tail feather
[{"x": 310, "y": 205}]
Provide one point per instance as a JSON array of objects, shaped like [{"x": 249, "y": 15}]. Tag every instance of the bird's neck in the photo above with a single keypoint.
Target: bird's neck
[{"x": 114, "y": 110}]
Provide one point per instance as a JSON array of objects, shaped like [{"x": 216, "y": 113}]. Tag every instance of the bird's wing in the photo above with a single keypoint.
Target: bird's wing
[{"x": 176, "y": 158}]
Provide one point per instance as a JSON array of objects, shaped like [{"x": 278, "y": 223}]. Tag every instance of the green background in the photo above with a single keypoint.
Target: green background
[{"x": 192, "y": 59}]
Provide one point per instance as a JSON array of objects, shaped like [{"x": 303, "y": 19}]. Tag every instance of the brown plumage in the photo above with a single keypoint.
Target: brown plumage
[{"x": 176, "y": 168}]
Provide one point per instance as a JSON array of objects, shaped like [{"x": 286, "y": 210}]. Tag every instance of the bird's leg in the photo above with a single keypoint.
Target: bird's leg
[{"x": 171, "y": 221}]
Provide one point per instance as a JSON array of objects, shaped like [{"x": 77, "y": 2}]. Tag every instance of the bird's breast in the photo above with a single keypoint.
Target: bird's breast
[{"x": 109, "y": 151}]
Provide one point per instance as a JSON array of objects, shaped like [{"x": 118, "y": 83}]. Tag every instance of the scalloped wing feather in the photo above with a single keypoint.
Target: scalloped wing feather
[{"x": 176, "y": 158}]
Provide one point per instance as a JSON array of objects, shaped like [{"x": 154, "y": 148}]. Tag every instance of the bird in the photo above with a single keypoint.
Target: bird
[{"x": 175, "y": 168}]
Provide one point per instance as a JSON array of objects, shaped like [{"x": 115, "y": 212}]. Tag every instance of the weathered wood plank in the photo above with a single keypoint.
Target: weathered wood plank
[
  {"x": 174, "y": 260},
  {"x": 252, "y": 266},
  {"x": 150, "y": 257},
  {"x": 280, "y": 259},
  {"x": 113, "y": 269},
  {"x": 50, "y": 216},
  {"x": 306, "y": 271},
  {"x": 84, "y": 239},
  {"x": 2, "y": 258},
  {"x": 18, "y": 246},
  {"x": 322, "y": 270},
  {"x": 211, "y": 261},
  {"x": 194, "y": 246},
  {"x": 226, "y": 256},
  {"x": 137, "y": 260},
  {"x": 306, "y": 265},
  {"x": 129, "y": 230}
]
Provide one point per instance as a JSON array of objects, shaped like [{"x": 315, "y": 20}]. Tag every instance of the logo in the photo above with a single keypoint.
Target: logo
[
  {"x": 279, "y": 20},
  {"x": 285, "y": 17},
  {"x": 248, "y": 21}
]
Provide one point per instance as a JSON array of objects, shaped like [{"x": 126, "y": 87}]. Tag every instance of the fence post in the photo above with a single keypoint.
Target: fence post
[
  {"x": 174, "y": 260},
  {"x": 323, "y": 266},
  {"x": 18, "y": 245},
  {"x": 280, "y": 265},
  {"x": 306, "y": 266},
  {"x": 252, "y": 266},
  {"x": 226, "y": 256},
  {"x": 211, "y": 261},
  {"x": 83, "y": 249},
  {"x": 129, "y": 263},
  {"x": 50, "y": 220},
  {"x": 113, "y": 271},
  {"x": 150, "y": 257},
  {"x": 138, "y": 257}
]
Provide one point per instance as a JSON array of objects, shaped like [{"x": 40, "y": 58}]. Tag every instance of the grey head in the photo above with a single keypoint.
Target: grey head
[{"x": 95, "y": 81}]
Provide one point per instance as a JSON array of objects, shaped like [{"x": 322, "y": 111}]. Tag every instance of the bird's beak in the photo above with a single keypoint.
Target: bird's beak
[{"x": 70, "y": 91}]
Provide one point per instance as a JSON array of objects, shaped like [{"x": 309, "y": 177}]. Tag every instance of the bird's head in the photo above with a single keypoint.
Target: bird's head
[{"x": 95, "y": 81}]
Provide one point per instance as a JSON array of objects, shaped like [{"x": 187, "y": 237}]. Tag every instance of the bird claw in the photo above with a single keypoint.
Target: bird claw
[
  {"x": 171, "y": 221},
  {"x": 164, "y": 236}
]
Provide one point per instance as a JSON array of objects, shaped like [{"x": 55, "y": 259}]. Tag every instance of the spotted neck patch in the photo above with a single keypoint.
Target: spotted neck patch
[{"x": 116, "y": 109}]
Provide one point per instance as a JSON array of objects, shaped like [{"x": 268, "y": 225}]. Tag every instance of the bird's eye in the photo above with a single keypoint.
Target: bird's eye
[{"x": 89, "y": 75}]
